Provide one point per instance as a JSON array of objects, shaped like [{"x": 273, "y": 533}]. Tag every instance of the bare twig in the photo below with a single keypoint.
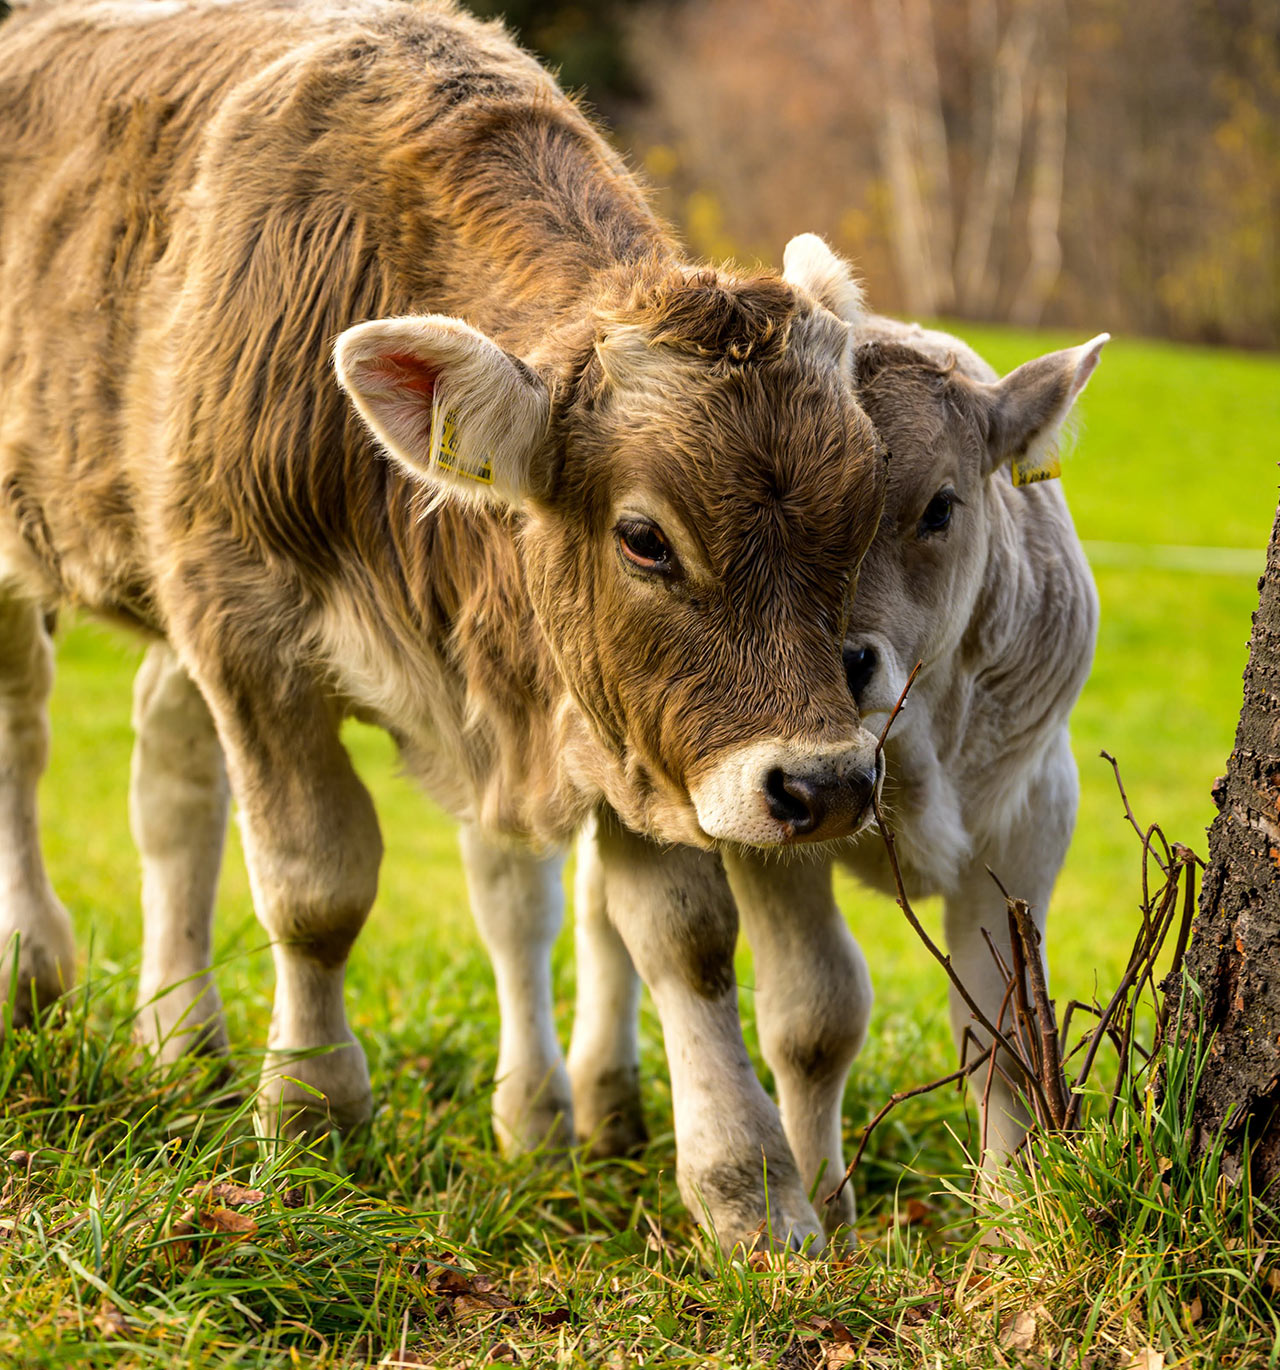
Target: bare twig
[
  {"x": 901, "y": 1097},
  {"x": 897, "y": 708},
  {"x": 942, "y": 958}
]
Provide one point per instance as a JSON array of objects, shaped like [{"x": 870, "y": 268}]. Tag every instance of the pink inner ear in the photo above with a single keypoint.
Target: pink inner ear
[{"x": 404, "y": 371}]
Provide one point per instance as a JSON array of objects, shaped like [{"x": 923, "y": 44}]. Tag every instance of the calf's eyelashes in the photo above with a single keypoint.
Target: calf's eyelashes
[{"x": 644, "y": 545}]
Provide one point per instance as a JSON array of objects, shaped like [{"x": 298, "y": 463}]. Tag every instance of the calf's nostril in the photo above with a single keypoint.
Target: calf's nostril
[
  {"x": 859, "y": 667},
  {"x": 794, "y": 800}
]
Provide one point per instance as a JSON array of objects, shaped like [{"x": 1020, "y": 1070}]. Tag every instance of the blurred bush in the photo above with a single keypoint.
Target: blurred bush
[{"x": 1093, "y": 163}]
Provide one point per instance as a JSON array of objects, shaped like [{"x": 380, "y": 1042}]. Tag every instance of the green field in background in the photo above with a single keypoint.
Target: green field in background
[{"x": 1177, "y": 448}]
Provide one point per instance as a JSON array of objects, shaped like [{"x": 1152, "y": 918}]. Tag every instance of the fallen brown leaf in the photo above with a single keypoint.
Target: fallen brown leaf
[
  {"x": 840, "y": 1354},
  {"x": 547, "y": 1318},
  {"x": 1019, "y": 1334},
  {"x": 502, "y": 1354},
  {"x": 1148, "y": 1358},
  {"x": 829, "y": 1328},
  {"x": 916, "y": 1213},
  {"x": 233, "y": 1194},
  {"x": 110, "y": 1321},
  {"x": 226, "y": 1222}
]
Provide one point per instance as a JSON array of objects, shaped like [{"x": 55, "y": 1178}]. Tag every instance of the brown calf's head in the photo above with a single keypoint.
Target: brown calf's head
[
  {"x": 952, "y": 431},
  {"x": 698, "y": 485}
]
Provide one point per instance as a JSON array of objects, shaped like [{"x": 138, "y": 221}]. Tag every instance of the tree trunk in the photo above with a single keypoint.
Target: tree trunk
[
  {"x": 1044, "y": 211},
  {"x": 912, "y": 241},
  {"x": 1234, "y": 955}
]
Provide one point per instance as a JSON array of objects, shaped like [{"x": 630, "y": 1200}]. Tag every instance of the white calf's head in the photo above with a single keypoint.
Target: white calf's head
[{"x": 955, "y": 434}]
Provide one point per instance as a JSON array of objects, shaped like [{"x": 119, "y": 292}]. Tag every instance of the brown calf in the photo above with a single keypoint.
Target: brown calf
[{"x": 607, "y": 564}]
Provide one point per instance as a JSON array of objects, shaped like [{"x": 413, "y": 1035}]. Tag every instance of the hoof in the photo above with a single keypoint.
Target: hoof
[
  {"x": 619, "y": 1136},
  {"x": 42, "y": 949},
  {"x": 732, "y": 1202},
  {"x": 304, "y": 1098},
  {"x": 533, "y": 1114},
  {"x": 609, "y": 1116}
]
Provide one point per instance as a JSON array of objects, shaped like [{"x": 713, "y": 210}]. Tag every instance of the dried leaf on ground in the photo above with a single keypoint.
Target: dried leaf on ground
[
  {"x": 224, "y": 1192},
  {"x": 110, "y": 1321},
  {"x": 1020, "y": 1333},
  {"x": 1146, "y": 1359},
  {"x": 224, "y": 1223},
  {"x": 916, "y": 1214},
  {"x": 829, "y": 1329}
]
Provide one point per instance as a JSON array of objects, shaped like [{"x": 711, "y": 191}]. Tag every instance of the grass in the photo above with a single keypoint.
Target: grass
[{"x": 417, "y": 1236}]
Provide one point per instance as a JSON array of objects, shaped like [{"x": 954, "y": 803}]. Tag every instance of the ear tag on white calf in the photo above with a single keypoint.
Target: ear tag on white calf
[
  {"x": 448, "y": 458},
  {"x": 1030, "y": 470}
]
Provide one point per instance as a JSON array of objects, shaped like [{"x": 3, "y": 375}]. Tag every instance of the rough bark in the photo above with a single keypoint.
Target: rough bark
[{"x": 1234, "y": 955}]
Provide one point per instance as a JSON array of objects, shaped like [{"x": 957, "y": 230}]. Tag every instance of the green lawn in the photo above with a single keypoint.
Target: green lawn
[{"x": 1177, "y": 450}]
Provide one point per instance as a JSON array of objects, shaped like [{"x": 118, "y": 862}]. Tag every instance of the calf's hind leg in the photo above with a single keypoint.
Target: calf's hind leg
[
  {"x": 178, "y": 812},
  {"x": 517, "y": 904},
  {"x": 604, "y": 1055},
  {"x": 313, "y": 848},
  {"x": 37, "y": 948}
]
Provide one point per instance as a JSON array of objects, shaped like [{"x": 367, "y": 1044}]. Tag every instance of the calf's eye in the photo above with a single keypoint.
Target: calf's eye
[
  {"x": 643, "y": 545},
  {"x": 937, "y": 514}
]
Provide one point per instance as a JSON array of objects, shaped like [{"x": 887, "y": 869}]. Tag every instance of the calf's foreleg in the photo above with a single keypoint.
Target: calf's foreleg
[
  {"x": 813, "y": 1004},
  {"x": 313, "y": 848},
  {"x": 734, "y": 1168},
  {"x": 604, "y": 1055},
  {"x": 1027, "y": 856}
]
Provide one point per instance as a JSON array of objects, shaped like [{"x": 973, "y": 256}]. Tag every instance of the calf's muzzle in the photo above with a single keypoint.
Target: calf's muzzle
[{"x": 777, "y": 793}]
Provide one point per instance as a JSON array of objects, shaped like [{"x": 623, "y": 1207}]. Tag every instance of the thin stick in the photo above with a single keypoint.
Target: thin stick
[
  {"x": 897, "y": 708},
  {"x": 1046, "y": 1018},
  {"x": 963, "y": 1073},
  {"x": 1124, "y": 798},
  {"x": 940, "y": 956}
]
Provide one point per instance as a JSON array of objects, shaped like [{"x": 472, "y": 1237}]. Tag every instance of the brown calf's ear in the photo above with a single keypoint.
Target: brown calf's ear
[
  {"x": 811, "y": 265},
  {"x": 448, "y": 404},
  {"x": 1026, "y": 410}
]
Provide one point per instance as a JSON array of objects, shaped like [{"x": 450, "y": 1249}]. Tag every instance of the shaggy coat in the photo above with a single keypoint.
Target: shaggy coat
[{"x": 232, "y": 186}]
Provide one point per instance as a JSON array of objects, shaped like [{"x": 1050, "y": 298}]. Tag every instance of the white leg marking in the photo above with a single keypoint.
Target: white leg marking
[
  {"x": 31, "y": 918},
  {"x": 813, "y": 1004},
  {"x": 178, "y": 811},
  {"x": 518, "y": 904},
  {"x": 673, "y": 909},
  {"x": 604, "y": 1056}
]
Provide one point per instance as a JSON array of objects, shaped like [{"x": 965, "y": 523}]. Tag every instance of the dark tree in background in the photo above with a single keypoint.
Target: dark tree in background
[
  {"x": 1234, "y": 955},
  {"x": 584, "y": 43}
]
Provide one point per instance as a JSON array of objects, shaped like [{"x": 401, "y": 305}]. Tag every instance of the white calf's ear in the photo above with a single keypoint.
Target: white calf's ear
[
  {"x": 448, "y": 404},
  {"x": 1026, "y": 410},
  {"x": 811, "y": 265}
]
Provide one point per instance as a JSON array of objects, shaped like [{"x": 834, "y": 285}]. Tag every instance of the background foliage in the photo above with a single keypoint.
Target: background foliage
[{"x": 1097, "y": 163}]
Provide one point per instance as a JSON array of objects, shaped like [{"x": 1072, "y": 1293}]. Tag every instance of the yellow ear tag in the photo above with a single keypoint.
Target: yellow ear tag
[
  {"x": 1029, "y": 472},
  {"x": 449, "y": 459}
]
